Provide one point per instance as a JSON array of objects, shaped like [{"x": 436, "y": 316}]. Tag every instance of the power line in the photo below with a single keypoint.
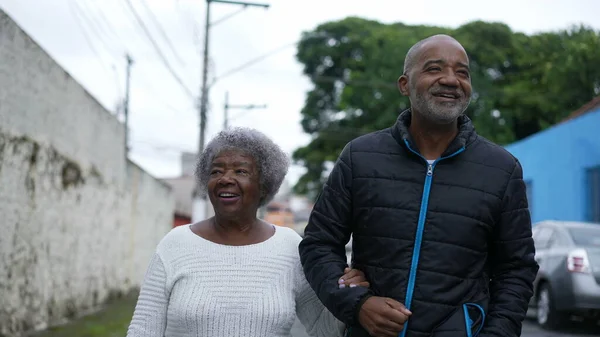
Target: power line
[
  {"x": 364, "y": 83},
  {"x": 126, "y": 14},
  {"x": 106, "y": 23},
  {"x": 93, "y": 24},
  {"x": 314, "y": 78},
  {"x": 226, "y": 17},
  {"x": 254, "y": 60},
  {"x": 187, "y": 15},
  {"x": 161, "y": 31},
  {"x": 88, "y": 40},
  {"x": 153, "y": 93},
  {"x": 158, "y": 51},
  {"x": 320, "y": 78},
  {"x": 163, "y": 147},
  {"x": 78, "y": 12},
  {"x": 269, "y": 54},
  {"x": 98, "y": 29}
]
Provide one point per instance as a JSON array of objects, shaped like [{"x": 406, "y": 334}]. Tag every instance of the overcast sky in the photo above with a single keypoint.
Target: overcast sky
[{"x": 90, "y": 38}]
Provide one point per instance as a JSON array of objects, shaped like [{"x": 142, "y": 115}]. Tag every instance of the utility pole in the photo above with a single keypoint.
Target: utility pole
[
  {"x": 243, "y": 107},
  {"x": 126, "y": 103},
  {"x": 199, "y": 204},
  {"x": 204, "y": 89},
  {"x": 226, "y": 111}
]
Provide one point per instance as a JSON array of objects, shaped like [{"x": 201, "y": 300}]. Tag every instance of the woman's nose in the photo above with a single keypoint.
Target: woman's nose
[{"x": 226, "y": 178}]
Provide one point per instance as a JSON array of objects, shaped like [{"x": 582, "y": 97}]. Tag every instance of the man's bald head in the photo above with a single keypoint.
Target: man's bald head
[
  {"x": 413, "y": 53},
  {"x": 437, "y": 79}
]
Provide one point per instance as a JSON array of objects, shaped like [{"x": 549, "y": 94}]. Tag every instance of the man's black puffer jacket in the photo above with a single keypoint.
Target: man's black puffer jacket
[{"x": 451, "y": 240}]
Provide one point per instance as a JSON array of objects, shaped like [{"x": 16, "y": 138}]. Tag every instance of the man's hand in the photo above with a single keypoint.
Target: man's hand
[
  {"x": 353, "y": 278},
  {"x": 383, "y": 317}
]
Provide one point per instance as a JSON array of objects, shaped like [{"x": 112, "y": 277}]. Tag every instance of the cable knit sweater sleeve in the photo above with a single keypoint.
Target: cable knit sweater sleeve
[
  {"x": 317, "y": 320},
  {"x": 150, "y": 314}
]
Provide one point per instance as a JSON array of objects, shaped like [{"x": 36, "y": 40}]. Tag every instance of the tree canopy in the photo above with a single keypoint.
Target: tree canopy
[{"x": 521, "y": 83}]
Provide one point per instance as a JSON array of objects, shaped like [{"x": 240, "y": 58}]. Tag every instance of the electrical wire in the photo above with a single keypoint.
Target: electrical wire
[
  {"x": 88, "y": 39},
  {"x": 104, "y": 22},
  {"x": 254, "y": 61},
  {"x": 158, "y": 51},
  {"x": 94, "y": 25},
  {"x": 226, "y": 17},
  {"x": 228, "y": 73},
  {"x": 158, "y": 25},
  {"x": 162, "y": 147},
  {"x": 156, "y": 96}
]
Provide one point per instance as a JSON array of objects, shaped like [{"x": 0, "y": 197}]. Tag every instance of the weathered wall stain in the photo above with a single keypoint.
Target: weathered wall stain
[
  {"x": 69, "y": 239},
  {"x": 78, "y": 222},
  {"x": 71, "y": 175},
  {"x": 2, "y": 149}
]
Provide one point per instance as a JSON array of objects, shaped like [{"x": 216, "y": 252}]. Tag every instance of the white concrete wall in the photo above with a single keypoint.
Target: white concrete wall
[{"x": 78, "y": 222}]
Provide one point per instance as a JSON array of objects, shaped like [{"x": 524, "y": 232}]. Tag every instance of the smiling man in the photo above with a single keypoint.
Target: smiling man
[{"x": 438, "y": 215}]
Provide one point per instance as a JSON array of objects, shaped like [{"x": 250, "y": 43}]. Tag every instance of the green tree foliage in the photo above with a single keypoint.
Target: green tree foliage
[{"x": 522, "y": 84}]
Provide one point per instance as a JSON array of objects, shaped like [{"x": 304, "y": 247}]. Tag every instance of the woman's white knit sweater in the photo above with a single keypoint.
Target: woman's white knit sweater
[{"x": 195, "y": 287}]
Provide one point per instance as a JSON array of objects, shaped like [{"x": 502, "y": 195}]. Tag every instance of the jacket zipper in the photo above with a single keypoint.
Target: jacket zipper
[{"x": 420, "y": 227}]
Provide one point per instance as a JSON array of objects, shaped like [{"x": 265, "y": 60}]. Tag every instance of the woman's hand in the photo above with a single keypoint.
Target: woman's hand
[{"x": 353, "y": 278}]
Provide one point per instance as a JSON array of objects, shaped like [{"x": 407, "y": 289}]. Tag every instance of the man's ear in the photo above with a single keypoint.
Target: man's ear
[{"x": 403, "y": 85}]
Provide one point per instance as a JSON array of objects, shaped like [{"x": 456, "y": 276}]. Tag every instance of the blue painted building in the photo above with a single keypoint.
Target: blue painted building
[{"x": 561, "y": 167}]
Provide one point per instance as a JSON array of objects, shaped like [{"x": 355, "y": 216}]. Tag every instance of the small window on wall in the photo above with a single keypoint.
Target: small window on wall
[{"x": 593, "y": 184}]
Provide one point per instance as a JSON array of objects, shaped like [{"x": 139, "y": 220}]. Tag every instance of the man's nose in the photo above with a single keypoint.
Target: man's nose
[{"x": 450, "y": 79}]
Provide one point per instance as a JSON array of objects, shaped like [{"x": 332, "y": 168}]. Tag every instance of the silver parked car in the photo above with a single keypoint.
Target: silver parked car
[{"x": 568, "y": 282}]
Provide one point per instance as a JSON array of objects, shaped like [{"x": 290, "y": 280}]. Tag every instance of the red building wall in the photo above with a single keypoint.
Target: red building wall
[{"x": 179, "y": 220}]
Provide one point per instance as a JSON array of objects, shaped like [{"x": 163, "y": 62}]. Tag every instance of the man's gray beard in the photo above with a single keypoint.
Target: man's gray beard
[{"x": 439, "y": 113}]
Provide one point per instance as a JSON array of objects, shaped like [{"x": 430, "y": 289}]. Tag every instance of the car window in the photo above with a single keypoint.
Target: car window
[
  {"x": 587, "y": 237},
  {"x": 542, "y": 238},
  {"x": 559, "y": 240},
  {"x": 535, "y": 232}
]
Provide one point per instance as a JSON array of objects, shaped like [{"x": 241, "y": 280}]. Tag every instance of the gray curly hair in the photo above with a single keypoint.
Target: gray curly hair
[{"x": 270, "y": 159}]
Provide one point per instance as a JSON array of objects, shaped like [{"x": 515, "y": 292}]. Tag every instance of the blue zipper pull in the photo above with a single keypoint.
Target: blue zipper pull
[{"x": 430, "y": 170}]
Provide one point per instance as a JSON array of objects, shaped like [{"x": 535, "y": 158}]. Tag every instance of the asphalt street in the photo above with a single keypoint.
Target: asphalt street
[{"x": 530, "y": 329}]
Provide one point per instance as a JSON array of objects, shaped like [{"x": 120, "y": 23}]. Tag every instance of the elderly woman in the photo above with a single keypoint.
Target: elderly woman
[{"x": 233, "y": 274}]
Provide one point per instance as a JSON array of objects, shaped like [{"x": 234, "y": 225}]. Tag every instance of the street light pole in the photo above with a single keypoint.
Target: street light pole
[{"x": 199, "y": 205}]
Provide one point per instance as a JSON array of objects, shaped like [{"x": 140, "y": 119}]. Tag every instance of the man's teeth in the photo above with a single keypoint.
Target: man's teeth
[{"x": 227, "y": 195}]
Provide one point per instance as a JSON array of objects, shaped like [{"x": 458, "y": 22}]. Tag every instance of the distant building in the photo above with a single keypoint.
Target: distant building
[
  {"x": 280, "y": 214},
  {"x": 183, "y": 189},
  {"x": 561, "y": 167},
  {"x": 287, "y": 209},
  {"x": 301, "y": 207}
]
